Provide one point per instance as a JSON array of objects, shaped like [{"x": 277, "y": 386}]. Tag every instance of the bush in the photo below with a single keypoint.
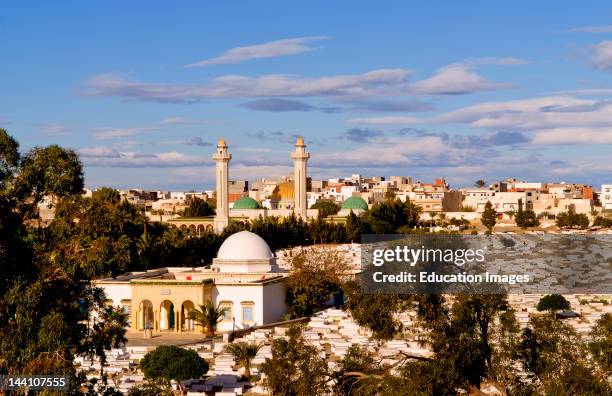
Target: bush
[
  {"x": 172, "y": 362},
  {"x": 602, "y": 222},
  {"x": 326, "y": 207},
  {"x": 553, "y": 302},
  {"x": 572, "y": 220},
  {"x": 526, "y": 219}
]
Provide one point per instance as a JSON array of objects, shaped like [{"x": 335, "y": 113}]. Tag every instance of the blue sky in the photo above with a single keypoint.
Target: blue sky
[{"x": 430, "y": 89}]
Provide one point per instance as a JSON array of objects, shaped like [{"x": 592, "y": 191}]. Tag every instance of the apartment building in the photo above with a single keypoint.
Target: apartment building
[{"x": 606, "y": 196}]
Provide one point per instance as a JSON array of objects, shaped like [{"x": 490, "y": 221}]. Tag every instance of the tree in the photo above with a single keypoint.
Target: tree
[
  {"x": 198, "y": 208},
  {"x": 570, "y": 219},
  {"x": 489, "y": 217},
  {"x": 374, "y": 311},
  {"x": 480, "y": 183},
  {"x": 50, "y": 170},
  {"x": 354, "y": 227},
  {"x": 526, "y": 219},
  {"x": 159, "y": 212},
  {"x": 602, "y": 222},
  {"x": 208, "y": 317},
  {"x": 106, "y": 195},
  {"x": 601, "y": 342},
  {"x": 358, "y": 372},
  {"x": 553, "y": 303},
  {"x": 45, "y": 300},
  {"x": 295, "y": 368},
  {"x": 316, "y": 276},
  {"x": 386, "y": 217},
  {"x": 151, "y": 388},
  {"x": 169, "y": 362},
  {"x": 244, "y": 353},
  {"x": 326, "y": 207},
  {"x": 555, "y": 357}
]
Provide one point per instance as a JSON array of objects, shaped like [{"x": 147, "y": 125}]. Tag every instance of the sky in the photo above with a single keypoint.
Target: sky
[{"x": 461, "y": 90}]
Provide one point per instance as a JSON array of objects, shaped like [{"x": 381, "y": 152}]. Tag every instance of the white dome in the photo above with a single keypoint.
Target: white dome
[{"x": 244, "y": 245}]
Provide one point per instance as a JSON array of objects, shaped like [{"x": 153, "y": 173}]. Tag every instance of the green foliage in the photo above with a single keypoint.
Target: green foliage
[
  {"x": 602, "y": 222},
  {"x": 358, "y": 373},
  {"x": 207, "y": 317},
  {"x": 374, "y": 311},
  {"x": 553, "y": 302},
  {"x": 480, "y": 183},
  {"x": 244, "y": 353},
  {"x": 489, "y": 217},
  {"x": 151, "y": 388},
  {"x": 295, "y": 368},
  {"x": 172, "y": 362},
  {"x": 50, "y": 170},
  {"x": 526, "y": 219},
  {"x": 572, "y": 220},
  {"x": 45, "y": 300},
  {"x": 601, "y": 342},
  {"x": 198, "y": 208},
  {"x": 555, "y": 356},
  {"x": 326, "y": 207},
  {"x": 315, "y": 278},
  {"x": 9, "y": 157},
  {"x": 388, "y": 216},
  {"x": 106, "y": 195},
  {"x": 354, "y": 228},
  {"x": 460, "y": 339}
]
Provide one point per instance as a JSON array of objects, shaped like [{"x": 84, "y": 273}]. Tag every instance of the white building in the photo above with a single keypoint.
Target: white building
[
  {"x": 606, "y": 196},
  {"x": 244, "y": 281}
]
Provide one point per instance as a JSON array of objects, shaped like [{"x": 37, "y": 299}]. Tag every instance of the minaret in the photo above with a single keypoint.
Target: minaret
[
  {"x": 222, "y": 158},
  {"x": 299, "y": 157}
]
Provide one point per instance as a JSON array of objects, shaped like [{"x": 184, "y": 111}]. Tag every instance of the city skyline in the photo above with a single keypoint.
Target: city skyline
[{"x": 422, "y": 91}]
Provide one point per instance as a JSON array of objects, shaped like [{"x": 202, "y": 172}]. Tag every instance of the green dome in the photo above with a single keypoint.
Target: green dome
[
  {"x": 246, "y": 203},
  {"x": 355, "y": 203}
]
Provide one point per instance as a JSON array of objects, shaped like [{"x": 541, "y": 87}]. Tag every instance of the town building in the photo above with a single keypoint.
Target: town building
[
  {"x": 606, "y": 196},
  {"x": 244, "y": 280}
]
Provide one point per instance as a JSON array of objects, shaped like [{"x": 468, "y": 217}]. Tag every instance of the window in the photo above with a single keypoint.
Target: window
[
  {"x": 227, "y": 306},
  {"x": 126, "y": 306},
  {"x": 247, "y": 312}
]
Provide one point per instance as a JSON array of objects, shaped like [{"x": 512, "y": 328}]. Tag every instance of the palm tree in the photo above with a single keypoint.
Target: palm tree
[
  {"x": 208, "y": 316},
  {"x": 159, "y": 212},
  {"x": 244, "y": 353}
]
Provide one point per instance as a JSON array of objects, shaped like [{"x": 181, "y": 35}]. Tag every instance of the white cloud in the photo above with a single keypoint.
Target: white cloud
[
  {"x": 588, "y": 92},
  {"x": 601, "y": 55},
  {"x": 376, "y": 82},
  {"x": 551, "y": 120},
  {"x": 57, "y": 129},
  {"x": 103, "y": 156},
  {"x": 458, "y": 79},
  {"x": 530, "y": 114},
  {"x": 385, "y": 121},
  {"x": 593, "y": 29},
  {"x": 187, "y": 121},
  {"x": 112, "y": 133},
  {"x": 574, "y": 135},
  {"x": 494, "y": 61},
  {"x": 271, "y": 49},
  {"x": 98, "y": 151}
]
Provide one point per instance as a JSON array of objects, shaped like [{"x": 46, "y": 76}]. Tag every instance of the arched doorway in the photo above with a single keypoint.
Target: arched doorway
[
  {"x": 166, "y": 315},
  {"x": 186, "y": 323},
  {"x": 145, "y": 315}
]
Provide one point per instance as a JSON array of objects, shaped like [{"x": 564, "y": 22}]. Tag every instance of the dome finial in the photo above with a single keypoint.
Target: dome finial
[
  {"x": 300, "y": 141},
  {"x": 221, "y": 143}
]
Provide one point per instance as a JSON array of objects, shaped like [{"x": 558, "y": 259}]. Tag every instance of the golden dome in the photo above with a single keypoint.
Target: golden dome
[
  {"x": 285, "y": 190},
  {"x": 300, "y": 141},
  {"x": 221, "y": 143}
]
